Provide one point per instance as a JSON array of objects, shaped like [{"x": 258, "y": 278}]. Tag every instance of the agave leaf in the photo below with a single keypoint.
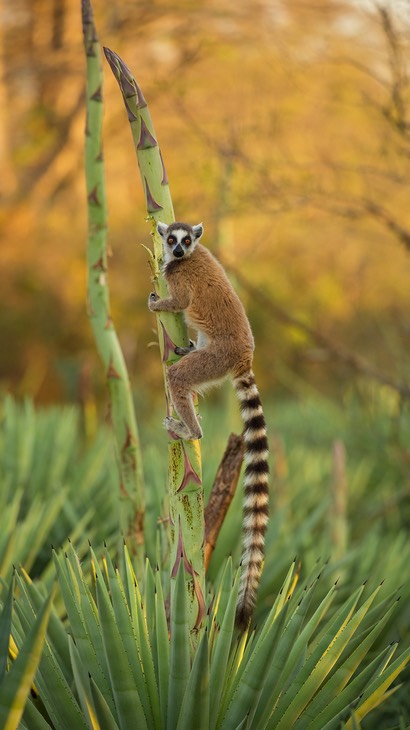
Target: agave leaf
[
  {"x": 33, "y": 719},
  {"x": 236, "y": 666},
  {"x": 104, "y": 714},
  {"x": 162, "y": 648},
  {"x": 340, "y": 705},
  {"x": 148, "y": 601},
  {"x": 16, "y": 684},
  {"x": 375, "y": 691},
  {"x": 136, "y": 645},
  {"x": 247, "y": 693},
  {"x": 222, "y": 592},
  {"x": 33, "y": 534},
  {"x": 272, "y": 686},
  {"x": 56, "y": 634},
  {"x": 56, "y": 693},
  {"x": 195, "y": 705},
  {"x": 52, "y": 684},
  {"x": 240, "y": 657},
  {"x": 9, "y": 533},
  {"x": 320, "y": 662},
  {"x": 83, "y": 686},
  {"x": 147, "y": 649},
  {"x": 5, "y": 629},
  {"x": 79, "y": 605},
  {"x": 127, "y": 699},
  {"x": 179, "y": 666},
  {"x": 334, "y": 686},
  {"x": 369, "y": 673},
  {"x": 219, "y": 660},
  {"x": 242, "y": 725},
  {"x": 301, "y": 643}
]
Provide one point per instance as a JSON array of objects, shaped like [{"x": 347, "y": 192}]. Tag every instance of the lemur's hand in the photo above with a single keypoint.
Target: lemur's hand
[{"x": 153, "y": 297}]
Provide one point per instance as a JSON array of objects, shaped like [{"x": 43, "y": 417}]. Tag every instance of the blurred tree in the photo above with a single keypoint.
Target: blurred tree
[{"x": 294, "y": 125}]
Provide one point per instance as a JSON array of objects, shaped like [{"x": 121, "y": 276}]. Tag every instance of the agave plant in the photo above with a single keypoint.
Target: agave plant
[
  {"x": 42, "y": 462},
  {"x": 16, "y": 682},
  {"x": 117, "y": 664}
]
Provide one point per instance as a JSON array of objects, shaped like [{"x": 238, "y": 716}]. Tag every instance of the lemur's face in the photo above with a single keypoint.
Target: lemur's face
[{"x": 179, "y": 239}]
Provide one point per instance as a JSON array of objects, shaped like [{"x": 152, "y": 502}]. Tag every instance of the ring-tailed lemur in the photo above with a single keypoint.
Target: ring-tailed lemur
[{"x": 199, "y": 288}]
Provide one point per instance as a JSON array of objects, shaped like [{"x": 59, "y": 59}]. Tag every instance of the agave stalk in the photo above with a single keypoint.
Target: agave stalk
[
  {"x": 122, "y": 409},
  {"x": 184, "y": 457}
]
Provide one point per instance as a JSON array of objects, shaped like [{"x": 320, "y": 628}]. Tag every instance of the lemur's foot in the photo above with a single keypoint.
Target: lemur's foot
[
  {"x": 185, "y": 350},
  {"x": 179, "y": 430},
  {"x": 153, "y": 297}
]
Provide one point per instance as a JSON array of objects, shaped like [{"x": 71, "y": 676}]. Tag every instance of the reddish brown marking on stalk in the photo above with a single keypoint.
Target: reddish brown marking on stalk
[
  {"x": 86, "y": 12},
  {"x": 97, "y": 96},
  {"x": 93, "y": 196},
  {"x": 152, "y": 205},
  {"x": 99, "y": 265},
  {"x": 201, "y": 603},
  {"x": 182, "y": 554},
  {"x": 100, "y": 156},
  {"x": 164, "y": 180},
  {"x": 123, "y": 491},
  {"x": 131, "y": 116},
  {"x": 112, "y": 372},
  {"x": 146, "y": 139},
  {"x": 112, "y": 60},
  {"x": 169, "y": 345},
  {"x": 141, "y": 98},
  {"x": 125, "y": 77},
  {"x": 127, "y": 84},
  {"x": 109, "y": 324},
  {"x": 189, "y": 474},
  {"x": 127, "y": 451},
  {"x": 89, "y": 50}
]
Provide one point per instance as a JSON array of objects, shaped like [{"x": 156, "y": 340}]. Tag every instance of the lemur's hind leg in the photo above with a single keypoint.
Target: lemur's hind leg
[{"x": 185, "y": 377}]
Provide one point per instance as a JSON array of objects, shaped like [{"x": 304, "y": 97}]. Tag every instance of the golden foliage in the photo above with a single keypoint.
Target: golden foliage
[{"x": 284, "y": 128}]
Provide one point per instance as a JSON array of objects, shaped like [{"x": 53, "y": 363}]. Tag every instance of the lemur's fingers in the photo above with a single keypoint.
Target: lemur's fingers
[{"x": 185, "y": 350}]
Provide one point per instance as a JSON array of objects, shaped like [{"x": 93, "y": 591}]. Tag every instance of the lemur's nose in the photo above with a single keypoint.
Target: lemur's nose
[{"x": 178, "y": 251}]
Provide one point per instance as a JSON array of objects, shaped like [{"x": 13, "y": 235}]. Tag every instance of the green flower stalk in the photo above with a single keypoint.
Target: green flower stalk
[
  {"x": 184, "y": 457},
  {"x": 122, "y": 409}
]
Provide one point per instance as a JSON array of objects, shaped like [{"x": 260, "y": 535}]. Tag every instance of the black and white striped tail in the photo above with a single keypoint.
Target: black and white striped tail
[{"x": 256, "y": 495}]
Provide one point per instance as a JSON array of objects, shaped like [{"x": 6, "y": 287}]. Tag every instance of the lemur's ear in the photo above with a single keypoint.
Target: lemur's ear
[
  {"x": 198, "y": 231},
  {"x": 162, "y": 229}
]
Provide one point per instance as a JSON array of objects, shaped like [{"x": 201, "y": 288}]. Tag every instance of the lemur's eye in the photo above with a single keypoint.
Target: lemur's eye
[
  {"x": 187, "y": 241},
  {"x": 170, "y": 240}
]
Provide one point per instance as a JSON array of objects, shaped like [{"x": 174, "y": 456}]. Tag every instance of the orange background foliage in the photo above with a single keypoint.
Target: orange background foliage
[{"x": 285, "y": 128}]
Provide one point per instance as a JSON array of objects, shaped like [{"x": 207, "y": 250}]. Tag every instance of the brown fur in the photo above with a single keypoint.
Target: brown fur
[{"x": 199, "y": 287}]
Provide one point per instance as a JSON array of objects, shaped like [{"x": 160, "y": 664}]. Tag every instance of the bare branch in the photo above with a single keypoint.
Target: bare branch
[{"x": 223, "y": 491}]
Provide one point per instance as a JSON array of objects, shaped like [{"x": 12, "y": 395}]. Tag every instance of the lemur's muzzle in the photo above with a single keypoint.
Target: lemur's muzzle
[{"x": 178, "y": 251}]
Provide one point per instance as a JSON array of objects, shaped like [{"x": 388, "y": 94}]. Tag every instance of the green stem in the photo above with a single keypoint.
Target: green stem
[
  {"x": 184, "y": 457},
  {"x": 122, "y": 409}
]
